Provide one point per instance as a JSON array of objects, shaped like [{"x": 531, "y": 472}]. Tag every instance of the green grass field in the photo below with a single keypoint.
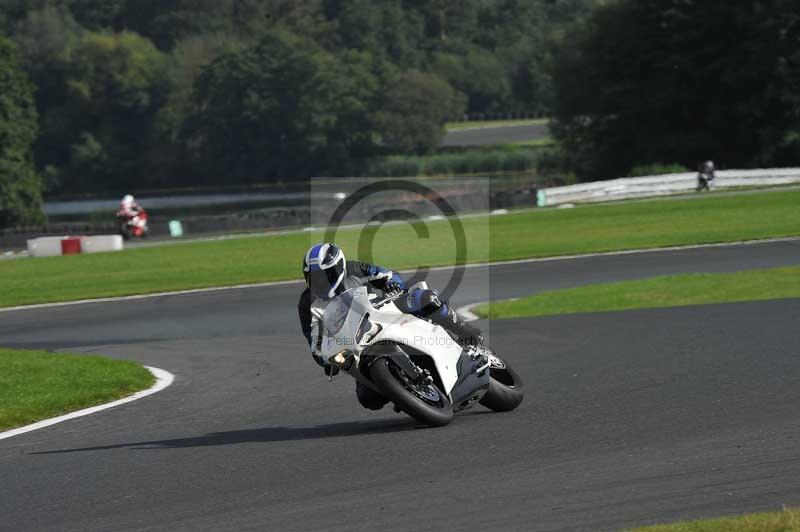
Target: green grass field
[
  {"x": 667, "y": 291},
  {"x": 486, "y": 124},
  {"x": 36, "y": 385},
  {"x": 532, "y": 233},
  {"x": 542, "y": 142},
  {"x": 785, "y": 521}
]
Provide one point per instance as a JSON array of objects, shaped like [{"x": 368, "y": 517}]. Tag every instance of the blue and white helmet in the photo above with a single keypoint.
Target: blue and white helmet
[{"x": 324, "y": 269}]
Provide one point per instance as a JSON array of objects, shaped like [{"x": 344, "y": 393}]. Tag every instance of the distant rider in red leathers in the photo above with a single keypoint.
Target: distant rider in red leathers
[{"x": 128, "y": 208}]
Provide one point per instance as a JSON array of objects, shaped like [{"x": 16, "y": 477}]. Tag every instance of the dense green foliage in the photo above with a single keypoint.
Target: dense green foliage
[
  {"x": 20, "y": 196},
  {"x": 282, "y": 108},
  {"x": 641, "y": 81},
  {"x": 114, "y": 86},
  {"x": 657, "y": 169},
  {"x": 415, "y": 105},
  {"x": 186, "y": 92},
  {"x": 136, "y": 94}
]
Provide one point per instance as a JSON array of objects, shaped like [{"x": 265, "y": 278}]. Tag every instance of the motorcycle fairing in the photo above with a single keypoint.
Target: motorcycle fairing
[
  {"x": 472, "y": 383},
  {"x": 398, "y": 327}
]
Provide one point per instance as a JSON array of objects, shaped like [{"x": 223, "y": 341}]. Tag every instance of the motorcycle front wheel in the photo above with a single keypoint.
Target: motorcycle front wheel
[
  {"x": 422, "y": 401},
  {"x": 505, "y": 388}
]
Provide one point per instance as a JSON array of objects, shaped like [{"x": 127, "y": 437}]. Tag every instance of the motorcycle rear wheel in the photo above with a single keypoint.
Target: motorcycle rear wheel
[{"x": 424, "y": 402}]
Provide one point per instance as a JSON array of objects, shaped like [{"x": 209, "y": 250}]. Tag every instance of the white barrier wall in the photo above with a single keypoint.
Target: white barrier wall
[
  {"x": 46, "y": 246},
  {"x": 51, "y": 246},
  {"x": 101, "y": 243},
  {"x": 661, "y": 185}
]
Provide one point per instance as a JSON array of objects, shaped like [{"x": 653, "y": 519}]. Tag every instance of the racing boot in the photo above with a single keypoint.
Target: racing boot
[{"x": 466, "y": 334}]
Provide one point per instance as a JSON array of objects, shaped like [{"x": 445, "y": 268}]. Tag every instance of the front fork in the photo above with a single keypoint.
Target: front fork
[{"x": 358, "y": 368}]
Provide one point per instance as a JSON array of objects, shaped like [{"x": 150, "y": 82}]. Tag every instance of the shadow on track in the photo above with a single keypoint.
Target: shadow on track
[
  {"x": 79, "y": 344},
  {"x": 268, "y": 434},
  {"x": 272, "y": 434}
]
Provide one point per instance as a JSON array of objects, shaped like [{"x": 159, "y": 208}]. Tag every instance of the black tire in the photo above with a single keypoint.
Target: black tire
[
  {"x": 392, "y": 383},
  {"x": 505, "y": 390}
]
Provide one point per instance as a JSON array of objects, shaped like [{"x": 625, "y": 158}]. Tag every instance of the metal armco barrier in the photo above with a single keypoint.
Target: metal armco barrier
[{"x": 661, "y": 185}]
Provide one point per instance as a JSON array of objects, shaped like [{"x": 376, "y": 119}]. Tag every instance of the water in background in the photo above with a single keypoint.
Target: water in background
[
  {"x": 259, "y": 210},
  {"x": 73, "y": 208},
  {"x": 313, "y": 193}
]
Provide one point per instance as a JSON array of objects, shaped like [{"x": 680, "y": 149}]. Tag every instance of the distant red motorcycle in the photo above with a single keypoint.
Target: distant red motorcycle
[{"x": 133, "y": 226}]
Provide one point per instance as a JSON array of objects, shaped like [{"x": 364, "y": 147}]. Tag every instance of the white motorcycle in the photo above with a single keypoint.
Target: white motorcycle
[{"x": 412, "y": 362}]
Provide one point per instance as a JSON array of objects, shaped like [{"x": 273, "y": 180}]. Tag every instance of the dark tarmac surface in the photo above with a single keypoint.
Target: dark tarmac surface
[{"x": 629, "y": 418}]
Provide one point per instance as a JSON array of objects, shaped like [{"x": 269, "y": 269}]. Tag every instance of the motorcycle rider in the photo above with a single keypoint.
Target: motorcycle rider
[
  {"x": 128, "y": 207},
  {"x": 705, "y": 176},
  {"x": 328, "y": 274}
]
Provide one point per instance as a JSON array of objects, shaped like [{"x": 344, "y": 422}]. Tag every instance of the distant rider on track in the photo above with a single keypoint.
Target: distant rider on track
[
  {"x": 132, "y": 218},
  {"x": 328, "y": 274},
  {"x": 705, "y": 176},
  {"x": 128, "y": 207}
]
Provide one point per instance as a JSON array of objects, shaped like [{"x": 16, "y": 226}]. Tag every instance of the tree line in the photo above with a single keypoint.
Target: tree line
[
  {"x": 679, "y": 81},
  {"x": 114, "y": 95},
  {"x": 162, "y": 93}
]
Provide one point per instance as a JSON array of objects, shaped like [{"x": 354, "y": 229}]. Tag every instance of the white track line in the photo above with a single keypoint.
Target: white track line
[
  {"x": 148, "y": 296},
  {"x": 163, "y": 379},
  {"x": 434, "y": 269},
  {"x": 466, "y": 311}
]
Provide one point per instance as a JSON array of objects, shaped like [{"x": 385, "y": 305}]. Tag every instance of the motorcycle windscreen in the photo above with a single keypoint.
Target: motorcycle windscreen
[
  {"x": 341, "y": 320},
  {"x": 336, "y": 312}
]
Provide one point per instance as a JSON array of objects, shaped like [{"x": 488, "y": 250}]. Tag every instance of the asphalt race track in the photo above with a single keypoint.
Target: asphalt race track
[{"x": 630, "y": 418}]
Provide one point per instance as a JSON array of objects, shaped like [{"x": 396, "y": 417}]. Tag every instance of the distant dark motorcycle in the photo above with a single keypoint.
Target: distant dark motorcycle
[{"x": 133, "y": 226}]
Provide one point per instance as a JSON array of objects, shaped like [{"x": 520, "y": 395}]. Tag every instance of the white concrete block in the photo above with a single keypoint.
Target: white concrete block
[
  {"x": 45, "y": 246},
  {"x": 101, "y": 243}
]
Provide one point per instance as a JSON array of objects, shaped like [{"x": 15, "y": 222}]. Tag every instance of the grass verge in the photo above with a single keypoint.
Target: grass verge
[
  {"x": 36, "y": 385},
  {"x": 541, "y": 142},
  {"x": 488, "y": 124},
  {"x": 532, "y": 233},
  {"x": 506, "y": 158},
  {"x": 667, "y": 291},
  {"x": 785, "y": 521}
]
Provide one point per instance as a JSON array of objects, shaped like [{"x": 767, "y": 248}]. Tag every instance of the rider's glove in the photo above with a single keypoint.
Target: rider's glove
[{"x": 392, "y": 286}]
